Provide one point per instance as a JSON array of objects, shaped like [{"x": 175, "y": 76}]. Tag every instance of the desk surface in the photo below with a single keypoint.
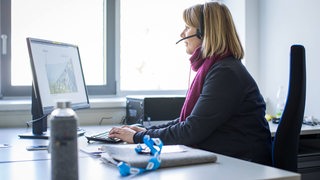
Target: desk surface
[
  {"x": 305, "y": 129},
  {"x": 16, "y": 162}
]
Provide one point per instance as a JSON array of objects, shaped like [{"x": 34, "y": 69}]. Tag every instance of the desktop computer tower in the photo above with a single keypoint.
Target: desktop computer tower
[{"x": 147, "y": 109}]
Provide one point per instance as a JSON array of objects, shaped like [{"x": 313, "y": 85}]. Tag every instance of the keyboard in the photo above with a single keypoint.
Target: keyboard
[{"x": 102, "y": 137}]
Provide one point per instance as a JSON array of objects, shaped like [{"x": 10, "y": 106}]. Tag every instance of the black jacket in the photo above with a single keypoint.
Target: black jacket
[{"x": 228, "y": 117}]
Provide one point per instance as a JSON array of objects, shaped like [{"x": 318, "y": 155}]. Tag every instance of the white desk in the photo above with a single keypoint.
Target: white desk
[
  {"x": 305, "y": 129},
  {"x": 18, "y": 163}
]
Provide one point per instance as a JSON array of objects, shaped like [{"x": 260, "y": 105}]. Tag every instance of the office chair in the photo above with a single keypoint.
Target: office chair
[{"x": 286, "y": 139}]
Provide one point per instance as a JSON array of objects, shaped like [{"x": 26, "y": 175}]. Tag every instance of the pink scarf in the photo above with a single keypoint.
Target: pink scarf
[{"x": 201, "y": 66}]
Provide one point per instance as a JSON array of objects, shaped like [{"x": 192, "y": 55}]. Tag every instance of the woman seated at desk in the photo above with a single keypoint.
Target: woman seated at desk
[{"x": 224, "y": 110}]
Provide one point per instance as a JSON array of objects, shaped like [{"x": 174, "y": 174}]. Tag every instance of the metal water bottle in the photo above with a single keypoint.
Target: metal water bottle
[{"x": 64, "y": 142}]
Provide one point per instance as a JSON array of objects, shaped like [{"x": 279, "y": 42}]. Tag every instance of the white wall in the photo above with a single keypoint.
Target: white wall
[
  {"x": 267, "y": 29},
  {"x": 283, "y": 23}
]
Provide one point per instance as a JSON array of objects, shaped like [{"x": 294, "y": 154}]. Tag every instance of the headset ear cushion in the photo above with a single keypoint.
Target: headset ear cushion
[{"x": 199, "y": 34}]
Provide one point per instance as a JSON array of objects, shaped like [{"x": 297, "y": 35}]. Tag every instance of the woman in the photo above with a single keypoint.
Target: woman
[{"x": 224, "y": 110}]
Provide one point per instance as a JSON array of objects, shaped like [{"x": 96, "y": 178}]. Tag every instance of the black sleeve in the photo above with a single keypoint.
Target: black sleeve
[
  {"x": 175, "y": 121},
  {"x": 219, "y": 99}
]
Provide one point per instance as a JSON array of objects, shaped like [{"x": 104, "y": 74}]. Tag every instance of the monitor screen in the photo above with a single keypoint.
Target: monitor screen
[{"x": 57, "y": 76}]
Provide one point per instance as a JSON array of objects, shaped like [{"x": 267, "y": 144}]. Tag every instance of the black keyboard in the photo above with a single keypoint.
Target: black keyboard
[{"x": 102, "y": 137}]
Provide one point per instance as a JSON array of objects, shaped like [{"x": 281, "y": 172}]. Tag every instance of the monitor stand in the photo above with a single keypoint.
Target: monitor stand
[
  {"x": 46, "y": 135},
  {"x": 30, "y": 135},
  {"x": 39, "y": 119},
  {"x": 40, "y": 129}
]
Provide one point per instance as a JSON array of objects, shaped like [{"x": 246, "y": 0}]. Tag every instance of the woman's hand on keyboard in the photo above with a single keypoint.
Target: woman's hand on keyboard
[{"x": 124, "y": 133}]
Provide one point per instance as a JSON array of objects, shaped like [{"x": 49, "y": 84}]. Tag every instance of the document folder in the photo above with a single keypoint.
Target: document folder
[{"x": 171, "y": 155}]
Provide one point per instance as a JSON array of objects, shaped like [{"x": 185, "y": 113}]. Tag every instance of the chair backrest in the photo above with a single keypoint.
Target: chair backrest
[{"x": 286, "y": 139}]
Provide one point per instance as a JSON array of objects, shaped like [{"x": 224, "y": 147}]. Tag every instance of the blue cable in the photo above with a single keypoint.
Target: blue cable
[{"x": 154, "y": 147}]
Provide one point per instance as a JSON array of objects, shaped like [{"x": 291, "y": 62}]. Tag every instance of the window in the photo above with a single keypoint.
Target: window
[
  {"x": 79, "y": 22},
  {"x": 150, "y": 59},
  {"x": 76, "y": 22},
  {"x": 130, "y": 42}
]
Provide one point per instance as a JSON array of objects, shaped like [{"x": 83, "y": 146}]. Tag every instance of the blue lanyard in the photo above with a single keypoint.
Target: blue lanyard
[{"x": 154, "y": 147}]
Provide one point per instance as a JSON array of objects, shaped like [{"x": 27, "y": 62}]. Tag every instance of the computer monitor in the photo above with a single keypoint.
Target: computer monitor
[{"x": 57, "y": 75}]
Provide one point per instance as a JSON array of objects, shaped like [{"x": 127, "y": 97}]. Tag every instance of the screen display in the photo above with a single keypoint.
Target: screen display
[{"x": 57, "y": 74}]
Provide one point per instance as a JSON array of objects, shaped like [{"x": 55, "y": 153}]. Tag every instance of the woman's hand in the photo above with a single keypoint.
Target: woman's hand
[{"x": 124, "y": 133}]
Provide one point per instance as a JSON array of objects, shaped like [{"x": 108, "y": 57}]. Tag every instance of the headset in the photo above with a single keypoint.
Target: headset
[{"x": 200, "y": 30}]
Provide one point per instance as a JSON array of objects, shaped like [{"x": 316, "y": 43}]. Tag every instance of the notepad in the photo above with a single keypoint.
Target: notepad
[
  {"x": 171, "y": 155},
  {"x": 92, "y": 150}
]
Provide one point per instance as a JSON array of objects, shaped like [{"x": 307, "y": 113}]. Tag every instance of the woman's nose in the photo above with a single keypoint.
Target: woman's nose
[{"x": 182, "y": 34}]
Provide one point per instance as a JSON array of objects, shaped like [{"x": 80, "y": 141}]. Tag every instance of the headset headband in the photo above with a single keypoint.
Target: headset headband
[{"x": 200, "y": 31}]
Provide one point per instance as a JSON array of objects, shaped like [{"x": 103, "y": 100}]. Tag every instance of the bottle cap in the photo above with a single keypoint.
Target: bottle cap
[{"x": 63, "y": 104}]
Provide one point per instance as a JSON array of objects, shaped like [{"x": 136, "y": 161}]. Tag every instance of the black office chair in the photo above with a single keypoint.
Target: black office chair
[{"x": 286, "y": 140}]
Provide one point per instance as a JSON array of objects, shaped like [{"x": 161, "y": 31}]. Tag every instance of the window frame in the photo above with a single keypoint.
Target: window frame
[{"x": 8, "y": 90}]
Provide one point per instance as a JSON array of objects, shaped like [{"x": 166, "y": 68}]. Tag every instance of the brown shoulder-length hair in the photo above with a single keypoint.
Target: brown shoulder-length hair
[{"x": 219, "y": 33}]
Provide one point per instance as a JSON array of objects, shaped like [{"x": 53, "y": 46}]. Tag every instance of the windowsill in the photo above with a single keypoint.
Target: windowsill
[{"x": 95, "y": 103}]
